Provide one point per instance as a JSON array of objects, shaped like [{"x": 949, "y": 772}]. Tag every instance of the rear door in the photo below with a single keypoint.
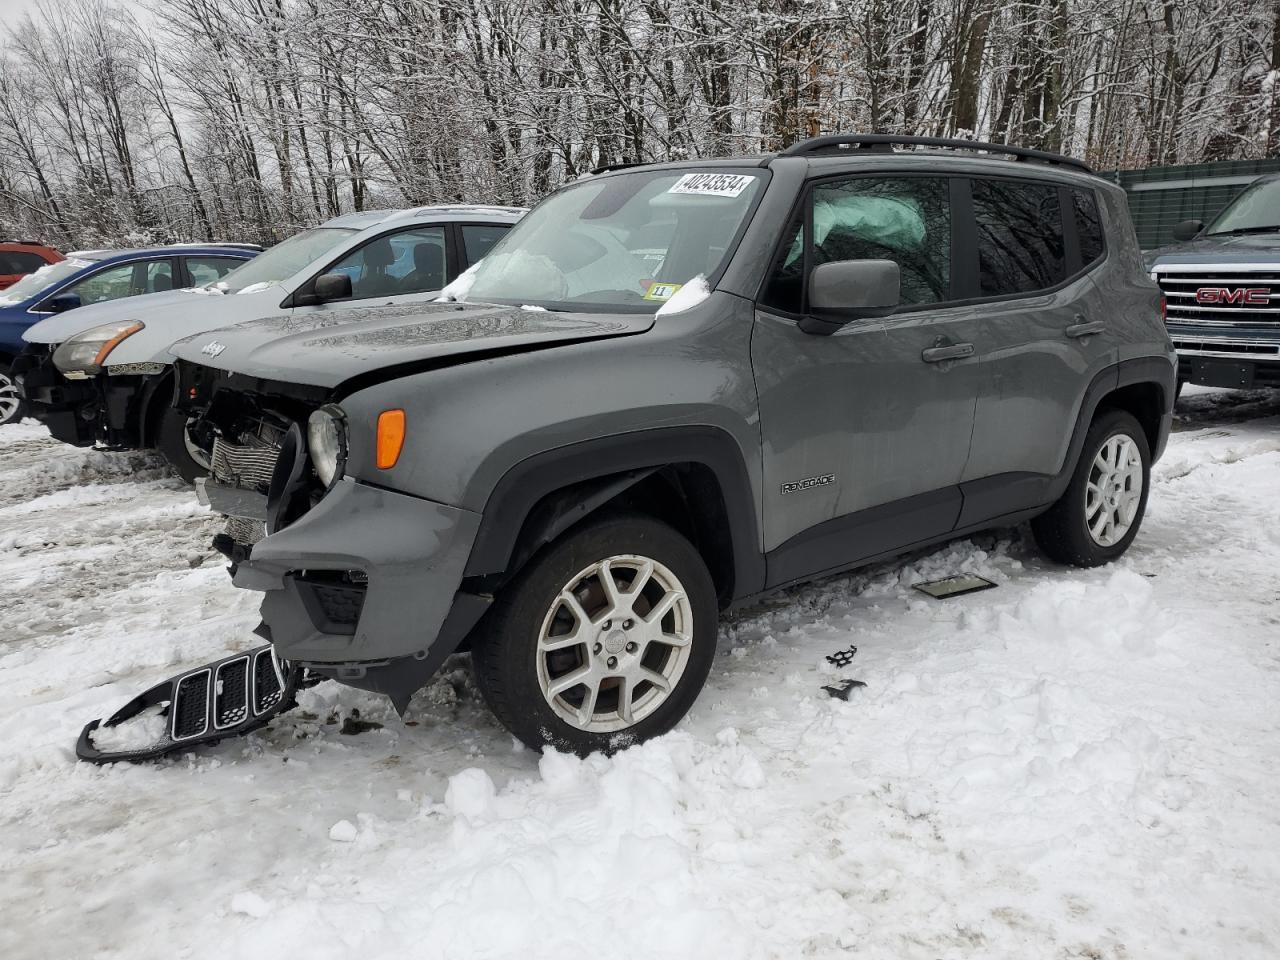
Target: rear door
[
  {"x": 1043, "y": 334},
  {"x": 865, "y": 432}
]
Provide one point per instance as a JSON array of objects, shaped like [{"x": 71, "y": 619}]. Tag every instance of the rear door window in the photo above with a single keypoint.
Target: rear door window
[
  {"x": 1020, "y": 245},
  {"x": 204, "y": 270},
  {"x": 478, "y": 239},
  {"x": 903, "y": 219}
]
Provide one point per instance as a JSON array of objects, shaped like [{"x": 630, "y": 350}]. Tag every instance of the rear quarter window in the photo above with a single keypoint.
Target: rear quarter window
[
  {"x": 1020, "y": 245},
  {"x": 1088, "y": 226}
]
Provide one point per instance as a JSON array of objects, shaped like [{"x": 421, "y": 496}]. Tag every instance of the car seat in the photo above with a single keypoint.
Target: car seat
[
  {"x": 374, "y": 281},
  {"x": 428, "y": 268}
]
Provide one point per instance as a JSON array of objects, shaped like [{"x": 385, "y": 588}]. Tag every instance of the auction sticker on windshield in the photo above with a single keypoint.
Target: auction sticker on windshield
[
  {"x": 712, "y": 184},
  {"x": 662, "y": 291}
]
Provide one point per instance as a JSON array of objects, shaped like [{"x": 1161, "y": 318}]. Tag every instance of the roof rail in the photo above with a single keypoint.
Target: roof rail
[
  {"x": 624, "y": 165},
  {"x": 886, "y": 142}
]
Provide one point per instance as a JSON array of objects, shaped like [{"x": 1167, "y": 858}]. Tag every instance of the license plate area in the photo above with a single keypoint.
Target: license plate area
[{"x": 1221, "y": 373}]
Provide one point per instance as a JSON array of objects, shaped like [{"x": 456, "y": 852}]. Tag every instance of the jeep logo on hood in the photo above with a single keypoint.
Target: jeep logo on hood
[
  {"x": 213, "y": 348},
  {"x": 1252, "y": 296}
]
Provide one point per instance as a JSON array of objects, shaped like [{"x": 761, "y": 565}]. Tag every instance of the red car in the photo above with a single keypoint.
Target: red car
[{"x": 20, "y": 257}]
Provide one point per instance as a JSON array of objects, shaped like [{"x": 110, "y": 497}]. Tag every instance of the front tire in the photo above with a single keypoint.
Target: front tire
[
  {"x": 604, "y": 640},
  {"x": 1100, "y": 513},
  {"x": 175, "y": 444},
  {"x": 11, "y": 406}
]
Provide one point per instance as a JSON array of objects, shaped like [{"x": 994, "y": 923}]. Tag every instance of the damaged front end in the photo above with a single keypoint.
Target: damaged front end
[
  {"x": 360, "y": 583},
  {"x": 108, "y": 409}
]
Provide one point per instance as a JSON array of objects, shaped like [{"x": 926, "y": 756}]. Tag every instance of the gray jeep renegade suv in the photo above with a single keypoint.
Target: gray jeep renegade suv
[{"x": 673, "y": 388}]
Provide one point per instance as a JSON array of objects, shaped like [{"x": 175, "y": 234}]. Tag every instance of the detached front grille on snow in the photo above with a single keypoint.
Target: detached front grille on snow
[{"x": 1221, "y": 298}]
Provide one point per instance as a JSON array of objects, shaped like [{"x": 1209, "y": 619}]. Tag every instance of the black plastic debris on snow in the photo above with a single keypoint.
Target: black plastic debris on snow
[
  {"x": 954, "y": 586},
  {"x": 841, "y": 689}
]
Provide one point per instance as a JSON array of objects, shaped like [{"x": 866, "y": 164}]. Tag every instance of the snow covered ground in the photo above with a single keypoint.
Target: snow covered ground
[{"x": 1076, "y": 764}]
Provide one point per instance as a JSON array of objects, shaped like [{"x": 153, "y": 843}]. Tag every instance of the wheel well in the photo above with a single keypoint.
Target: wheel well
[
  {"x": 1147, "y": 403},
  {"x": 151, "y": 408},
  {"x": 685, "y": 496}
]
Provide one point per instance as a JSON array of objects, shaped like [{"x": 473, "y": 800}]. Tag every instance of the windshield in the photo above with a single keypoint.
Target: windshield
[
  {"x": 51, "y": 274},
  {"x": 282, "y": 261},
  {"x": 629, "y": 240},
  {"x": 1257, "y": 209}
]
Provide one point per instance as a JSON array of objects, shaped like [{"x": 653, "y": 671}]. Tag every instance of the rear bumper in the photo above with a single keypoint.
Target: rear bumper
[{"x": 366, "y": 575}]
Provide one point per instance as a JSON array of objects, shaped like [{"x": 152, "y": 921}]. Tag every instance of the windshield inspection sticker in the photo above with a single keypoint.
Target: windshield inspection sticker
[
  {"x": 662, "y": 291},
  {"x": 712, "y": 184}
]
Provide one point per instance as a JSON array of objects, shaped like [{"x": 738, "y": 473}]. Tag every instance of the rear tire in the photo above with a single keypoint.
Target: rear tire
[
  {"x": 641, "y": 650},
  {"x": 174, "y": 443},
  {"x": 12, "y": 408},
  {"x": 1099, "y": 514}
]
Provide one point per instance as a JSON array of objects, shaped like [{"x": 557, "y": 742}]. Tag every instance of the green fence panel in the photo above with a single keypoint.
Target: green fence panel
[{"x": 1161, "y": 197}]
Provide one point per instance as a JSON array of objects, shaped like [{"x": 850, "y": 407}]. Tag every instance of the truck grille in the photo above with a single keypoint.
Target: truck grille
[{"x": 1220, "y": 296}]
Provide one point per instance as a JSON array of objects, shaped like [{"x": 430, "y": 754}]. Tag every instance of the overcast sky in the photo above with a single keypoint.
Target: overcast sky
[{"x": 12, "y": 10}]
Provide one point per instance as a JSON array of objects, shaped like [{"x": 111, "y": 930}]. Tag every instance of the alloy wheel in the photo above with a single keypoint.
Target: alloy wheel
[
  {"x": 614, "y": 643},
  {"x": 1113, "y": 492},
  {"x": 10, "y": 402}
]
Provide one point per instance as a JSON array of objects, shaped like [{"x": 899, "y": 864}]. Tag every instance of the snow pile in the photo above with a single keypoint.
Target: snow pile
[
  {"x": 687, "y": 297},
  {"x": 457, "y": 290},
  {"x": 137, "y": 733},
  {"x": 1077, "y": 764}
]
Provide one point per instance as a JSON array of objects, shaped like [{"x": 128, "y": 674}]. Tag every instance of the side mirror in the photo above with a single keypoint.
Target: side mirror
[
  {"x": 327, "y": 286},
  {"x": 1187, "y": 229},
  {"x": 846, "y": 290},
  {"x": 61, "y": 303}
]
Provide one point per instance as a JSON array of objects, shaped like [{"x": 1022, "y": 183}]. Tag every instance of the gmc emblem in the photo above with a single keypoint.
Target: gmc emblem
[{"x": 1251, "y": 296}]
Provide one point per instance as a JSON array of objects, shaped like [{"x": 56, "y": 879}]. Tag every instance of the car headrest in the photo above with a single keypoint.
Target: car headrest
[{"x": 378, "y": 253}]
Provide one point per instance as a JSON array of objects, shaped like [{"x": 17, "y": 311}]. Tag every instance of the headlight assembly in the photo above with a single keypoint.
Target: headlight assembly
[
  {"x": 84, "y": 354},
  {"x": 327, "y": 442}
]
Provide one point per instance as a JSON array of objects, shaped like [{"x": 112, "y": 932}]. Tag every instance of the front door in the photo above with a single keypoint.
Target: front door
[{"x": 866, "y": 432}]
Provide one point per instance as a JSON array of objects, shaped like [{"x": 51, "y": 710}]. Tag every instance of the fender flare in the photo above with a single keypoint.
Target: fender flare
[
  {"x": 1126, "y": 373},
  {"x": 620, "y": 460}
]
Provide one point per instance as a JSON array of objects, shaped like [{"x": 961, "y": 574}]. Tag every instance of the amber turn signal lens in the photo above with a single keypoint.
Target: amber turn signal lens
[
  {"x": 390, "y": 438},
  {"x": 111, "y": 344}
]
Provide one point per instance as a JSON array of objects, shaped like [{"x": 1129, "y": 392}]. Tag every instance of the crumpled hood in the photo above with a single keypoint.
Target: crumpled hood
[
  {"x": 60, "y": 326},
  {"x": 327, "y": 348},
  {"x": 1241, "y": 248}
]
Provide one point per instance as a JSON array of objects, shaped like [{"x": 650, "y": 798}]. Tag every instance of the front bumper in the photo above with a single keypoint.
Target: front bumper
[
  {"x": 70, "y": 409},
  {"x": 1222, "y": 356},
  {"x": 366, "y": 575}
]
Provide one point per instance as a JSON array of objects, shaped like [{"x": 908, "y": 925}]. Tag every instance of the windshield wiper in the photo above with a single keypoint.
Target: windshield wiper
[{"x": 1223, "y": 233}]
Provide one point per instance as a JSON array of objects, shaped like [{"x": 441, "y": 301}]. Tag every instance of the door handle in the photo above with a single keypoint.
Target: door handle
[
  {"x": 1085, "y": 328},
  {"x": 953, "y": 351}
]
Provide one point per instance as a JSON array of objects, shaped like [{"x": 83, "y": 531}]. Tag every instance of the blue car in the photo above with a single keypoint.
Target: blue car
[{"x": 95, "y": 276}]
